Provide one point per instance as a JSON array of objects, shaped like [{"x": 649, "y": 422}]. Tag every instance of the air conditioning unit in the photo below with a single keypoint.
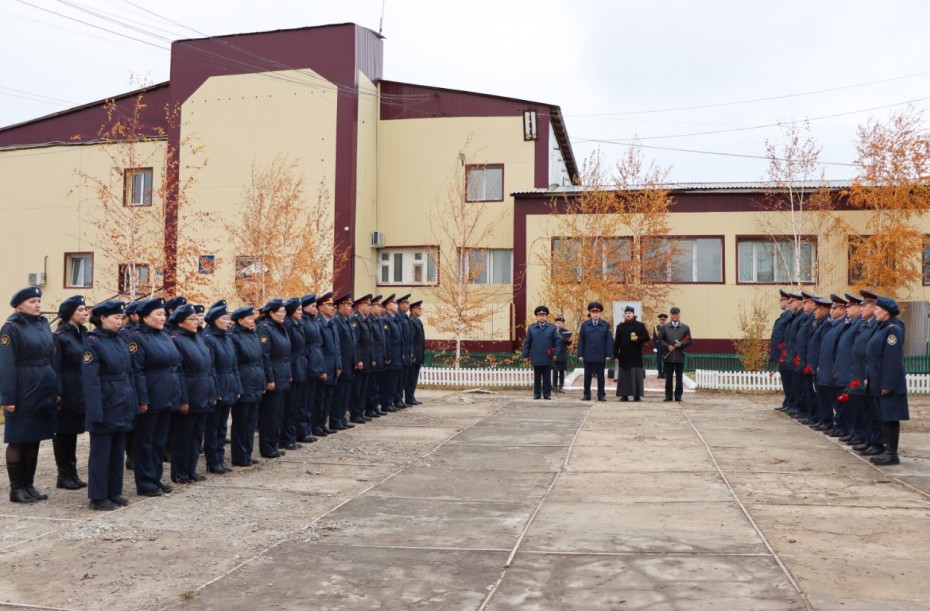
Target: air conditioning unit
[
  {"x": 377, "y": 239},
  {"x": 36, "y": 279}
]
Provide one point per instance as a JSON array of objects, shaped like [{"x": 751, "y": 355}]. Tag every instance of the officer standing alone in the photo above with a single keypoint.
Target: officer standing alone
[
  {"x": 539, "y": 347},
  {"x": 595, "y": 346}
]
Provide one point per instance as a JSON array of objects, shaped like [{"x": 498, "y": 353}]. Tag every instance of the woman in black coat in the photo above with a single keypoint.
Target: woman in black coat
[
  {"x": 111, "y": 405},
  {"x": 29, "y": 391},
  {"x": 69, "y": 353},
  {"x": 276, "y": 358},
  {"x": 887, "y": 381},
  {"x": 188, "y": 423},
  {"x": 253, "y": 383},
  {"x": 161, "y": 391},
  {"x": 229, "y": 388}
]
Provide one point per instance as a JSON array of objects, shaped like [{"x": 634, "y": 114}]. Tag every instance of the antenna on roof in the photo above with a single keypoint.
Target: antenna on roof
[{"x": 381, "y": 23}]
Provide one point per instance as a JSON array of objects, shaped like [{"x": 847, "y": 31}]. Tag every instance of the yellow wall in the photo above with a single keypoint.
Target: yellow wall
[
  {"x": 46, "y": 211},
  {"x": 249, "y": 119},
  {"x": 712, "y": 309},
  {"x": 366, "y": 181}
]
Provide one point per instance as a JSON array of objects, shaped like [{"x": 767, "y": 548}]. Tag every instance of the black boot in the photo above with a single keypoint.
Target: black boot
[
  {"x": 890, "y": 455},
  {"x": 60, "y": 447},
  {"x": 18, "y": 493},
  {"x": 29, "y": 475},
  {"x": 72, "y": 462}
]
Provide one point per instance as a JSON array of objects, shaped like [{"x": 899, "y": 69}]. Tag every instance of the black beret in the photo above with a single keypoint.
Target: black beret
[
  {"x": 217, "y": 311},
  {"x": 181, "y": 314},
  {"x": 174, "y": 303},
  {"x": 132, "y": 308},
  {"x": 541, "y": 310},
  {"x": 69, "y": 306},
  {"x": 199, "y": 309},
  {"x": 221, "y": 302},
  {"x": 273, "y": 306},
  {"x": 108, "y": 308},
  {"x": 23, "y": 294},
  {"x": 309, "y": 299},
  {"x": 889, "y": 305},
  {"x": 240, "y": 313},
  {"x": 292, "y": 305},
  {"x": 147, "y": 307}
]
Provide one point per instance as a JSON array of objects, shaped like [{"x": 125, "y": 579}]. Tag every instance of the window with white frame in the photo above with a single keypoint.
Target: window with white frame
[
  {"x": 484, "y": 183},
  {"x": 489, "y": 266},
  {"x": 687, "y": 260},
  {"x": 79, "y": 270},
  {"x": 137, "y": 183},
  {"x": 611, "y": 256},
  {"x": 407, "y": 266},
  {"x": 134, "y": 277},
  {"x": 776, "y": 260}
]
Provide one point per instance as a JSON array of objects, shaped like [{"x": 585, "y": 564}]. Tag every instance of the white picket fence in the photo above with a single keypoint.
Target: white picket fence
[
  {"x": 771, "y": 381},
  {"x": 488, "y": 377}
]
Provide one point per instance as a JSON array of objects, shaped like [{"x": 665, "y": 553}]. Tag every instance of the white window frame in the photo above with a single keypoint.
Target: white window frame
[
  {"x": 403, "y": 265},
  {"x": 684, "y": 244},
  {"x": 488, "y": 272},
  {"x": 86, "y": 270},
  {"x": 136, "y": 193},
  {"x": 776, "y": 244},
  {"x": 477, "y": 185}
]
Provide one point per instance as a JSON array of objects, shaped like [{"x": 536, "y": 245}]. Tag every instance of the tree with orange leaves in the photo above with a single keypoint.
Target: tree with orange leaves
[
  {"x": 894, "y": 165},
  {"x": 287, "y": 241},
  {"x": 613, "y": 240},
  {"x": 129, "y": 227}
]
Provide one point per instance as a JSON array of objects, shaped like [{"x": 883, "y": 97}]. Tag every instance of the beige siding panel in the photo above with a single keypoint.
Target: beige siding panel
[
  {"x": 366, "y": 194},
  {"x": 46, "y": 212},
  {"x": 246, "y": 121},
  {"x": 712, "y": 310},
  {"x": 419, "y": 157}
]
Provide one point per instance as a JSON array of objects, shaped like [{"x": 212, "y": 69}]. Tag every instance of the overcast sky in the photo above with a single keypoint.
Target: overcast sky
[{"x": 662, "y": 71}]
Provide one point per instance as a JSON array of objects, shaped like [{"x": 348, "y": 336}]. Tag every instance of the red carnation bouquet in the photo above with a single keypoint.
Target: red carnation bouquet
[{"x": 844, "y": 397}]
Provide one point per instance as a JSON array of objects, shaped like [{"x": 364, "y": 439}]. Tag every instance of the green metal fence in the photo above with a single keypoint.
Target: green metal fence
[{"x": 693, "y": 362}]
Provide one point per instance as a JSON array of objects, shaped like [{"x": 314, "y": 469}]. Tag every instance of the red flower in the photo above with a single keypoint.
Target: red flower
[
  {"x": 797, "y": 361},
  {"x": 781, "y": 345},
  {"x": 687, "y": 338},
  {"x": 843, "y": 398},
  {"x": 550, "y": 351},
  {"x": 807, "y": 369},
  {"x": 784, "y": 353},
  {"x": 855, "y": 383}
]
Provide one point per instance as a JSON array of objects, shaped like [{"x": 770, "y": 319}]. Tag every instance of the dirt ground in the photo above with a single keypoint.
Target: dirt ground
[{"x": 496, "y": 501}]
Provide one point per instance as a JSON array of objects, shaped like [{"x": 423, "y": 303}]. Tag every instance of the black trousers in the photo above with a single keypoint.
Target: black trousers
[
  {"x": 558, "y": 375},
  {"x": 188, "y": 439},
  {"x": 214, "y": 438},
  {"x": 373, "y": 392},
  {"x": 389, "y": 385},
  {"x": 269, "y": 417},
  {"x": 542, "y": 381},
  {"x": 105, "y": 465},
  {"x": 148, "y": 449},
  {"x": 591, "y": 370},
  {"x": 305, "y": 407},
  {"x": 413, "y": 376},
  {"x": 244, "y": 423},
  {"x": 677, "y": 371},
  {"x": 359, "y": 394},
  {"x": 321, "y": 404},
  {"x": 290, "y": 413}
]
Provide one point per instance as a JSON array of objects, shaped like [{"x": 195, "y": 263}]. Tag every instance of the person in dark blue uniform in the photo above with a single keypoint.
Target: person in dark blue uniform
[
  {"x": 332, "y": 367},
  {"x": 346, "y": 337},
  {"x": 887, "y": 380},
  {"x": 290, "y": 415},
  {"x": 69, "y": 352},
  {"x": 160, "y": 387},
  {"x": 313, "y": 349},
  {"x": 189, "y": 422},
  {"x": 130, "y": 325},
  {"x": 378, "y": 348},
  {"x": 539, "y": 348},
  {"x": 828, "y": 386},
  {"x": 418, "y": 352},
  {"x": 560, "y": 358},
  {"x": 777, "y": 342},
  {"x": 848, "y": 417},
  {"x": 253, "y": 383},
  {"x": 228, "y": 386},
  {"x": 797, "y": 362},
  {"x": 29, "y": 391},
  {"x": 810, "y": 357},
  {"x": 595, "y": 347},
  {"x": 873, "y": 442},
  {"x": 276, "y": 358},
  {"x": 406, "y": 333},
  {"x": 111, "y": 405},
  {"x": 358, "y": 320},
  {"x": 393, "y": 358},
  {"x": 783, "y": 361}
]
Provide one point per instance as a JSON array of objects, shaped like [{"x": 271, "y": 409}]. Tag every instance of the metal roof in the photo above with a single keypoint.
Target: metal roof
[{"x": 750, "y": 186}]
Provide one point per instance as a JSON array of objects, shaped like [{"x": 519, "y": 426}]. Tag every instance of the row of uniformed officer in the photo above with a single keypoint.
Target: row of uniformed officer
[{"x": 842, "y": 368}]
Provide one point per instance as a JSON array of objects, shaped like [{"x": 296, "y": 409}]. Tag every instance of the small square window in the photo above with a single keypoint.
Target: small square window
[
  {"x": 137, "y": 185},
  {"x": 79, "y": 270},
  {"x": 484, "y": 183}
]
